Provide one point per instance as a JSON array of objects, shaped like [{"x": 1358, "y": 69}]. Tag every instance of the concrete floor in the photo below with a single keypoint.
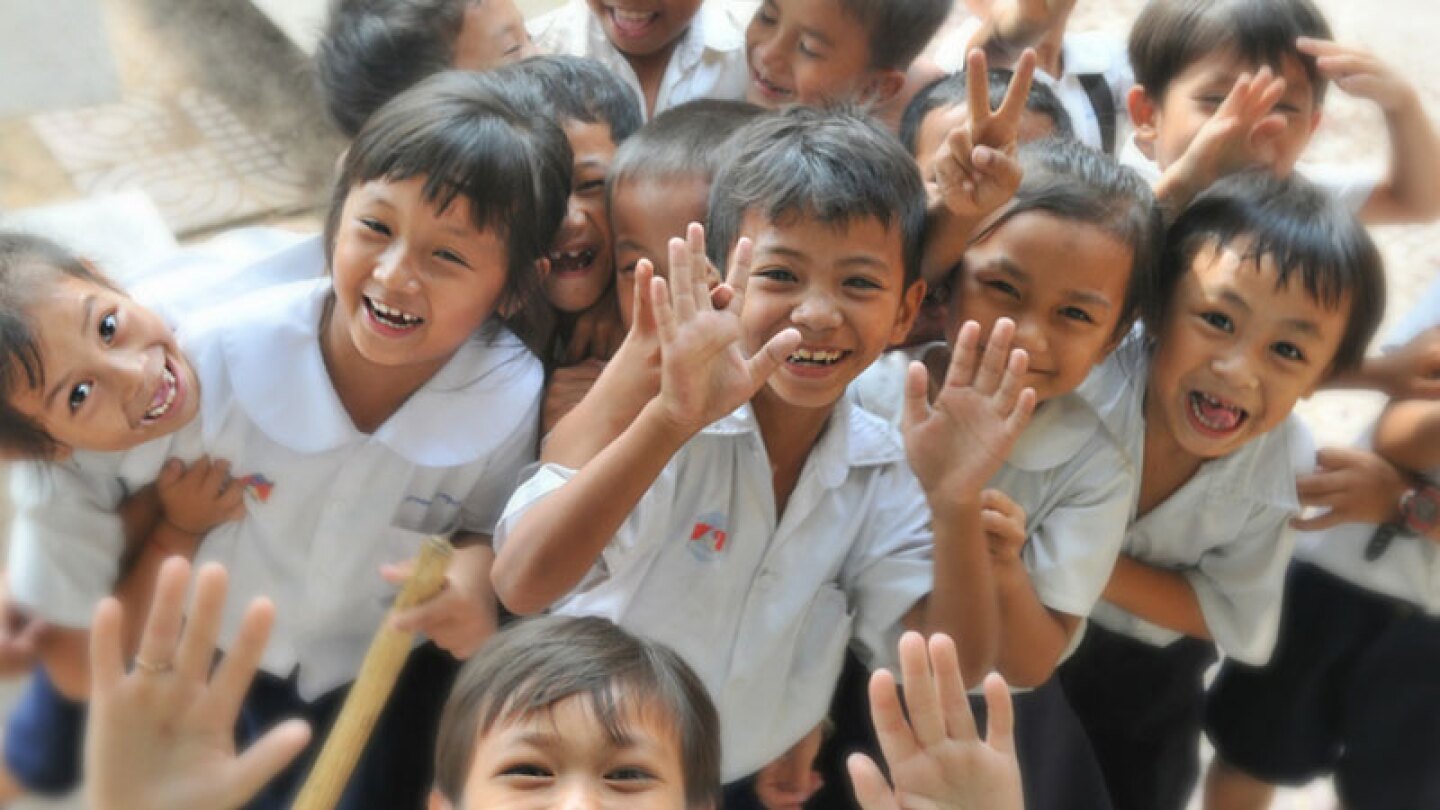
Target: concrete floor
[{"x": 229, "y": 53}]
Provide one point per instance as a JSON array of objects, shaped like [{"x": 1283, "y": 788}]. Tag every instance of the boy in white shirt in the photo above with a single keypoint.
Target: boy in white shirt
[
  {"x": 667, "y": 51},
  {"x": 762, "y": 544}
]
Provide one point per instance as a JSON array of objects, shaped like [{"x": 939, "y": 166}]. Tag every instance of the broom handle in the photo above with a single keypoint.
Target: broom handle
[{"x": 372, "y": 686}]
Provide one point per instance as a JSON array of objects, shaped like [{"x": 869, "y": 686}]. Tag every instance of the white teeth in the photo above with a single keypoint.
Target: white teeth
[
  {"x": 816, "y": 356},
  {"x": 393, "y": 316},
  {"x": 635, "y": 17},
  {"x": 159, "y": 410}
]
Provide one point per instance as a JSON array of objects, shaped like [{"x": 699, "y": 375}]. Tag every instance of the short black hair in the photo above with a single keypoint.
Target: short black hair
[
  {"x": 834, "y": 165},
  {"x": 899, "y": 29},
  {"x": 26, "y": 263},
  {"x": 690, "y": 140},
  {"x": 476, "y": 136},
  {"x": 574, "y": 88},
  {"x": 372, "y": 50},
  {"x": 950, "y": 91},
  {"x": 539, "y": 662},
  {"x": 1070, "y": 180},
  {"x": 1171, "y": 35},
  {"x": 1306, "y": 232}
]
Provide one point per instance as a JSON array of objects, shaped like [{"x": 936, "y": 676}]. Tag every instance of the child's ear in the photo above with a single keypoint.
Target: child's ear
[
  {"x": 1145, "y": 115},
  {"x": 883, "y": 86},
  {"x": 438, "y": 801},
  {"x": 910, "y": 302}
]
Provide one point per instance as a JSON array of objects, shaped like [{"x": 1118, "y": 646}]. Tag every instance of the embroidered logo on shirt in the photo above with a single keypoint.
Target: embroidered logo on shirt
[
  {"x": 708, "y": 537},
  {"x": 258, "y": 486},
  {"x": 440, "y": 498}
]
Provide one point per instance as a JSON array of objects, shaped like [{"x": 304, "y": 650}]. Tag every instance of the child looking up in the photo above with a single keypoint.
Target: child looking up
[
  {"x": 372, "y": 50},
  {"x": 1223, "y": 85},
  {"x": 819, "y": 52},
  {"x": 804, "y": 529},
  {"x": 667, "y": 52},
  {"x": 1268, "y": 287}
]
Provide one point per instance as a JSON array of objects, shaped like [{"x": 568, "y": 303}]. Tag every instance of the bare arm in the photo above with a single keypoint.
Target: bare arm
[
  {"x": 1158, "y": 596},
  {"x": 1408, "y": 435},
  {"x": 1033, "y": 636}
]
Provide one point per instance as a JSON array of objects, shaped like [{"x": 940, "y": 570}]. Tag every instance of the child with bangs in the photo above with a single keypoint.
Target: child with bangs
[
  {"x": 327, "y": 396},
  {"x": 667, "y": 52},
  {"x": 820, "y": 52},
  {"x": 747, "y": 514},
  {"x": 1225, "y": 85},
  {"x": 1268, "y": 287}
]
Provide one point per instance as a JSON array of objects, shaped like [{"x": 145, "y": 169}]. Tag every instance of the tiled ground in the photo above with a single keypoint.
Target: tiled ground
[{"x": 207, "y": 107}]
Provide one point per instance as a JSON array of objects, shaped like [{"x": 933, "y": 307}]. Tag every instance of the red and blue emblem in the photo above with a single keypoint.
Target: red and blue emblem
[{"x": 709, "y": 537}]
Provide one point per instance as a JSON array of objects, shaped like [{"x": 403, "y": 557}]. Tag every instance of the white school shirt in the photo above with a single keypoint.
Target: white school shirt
[
  {"x": 327, "y": 504},
  {"x": 1409, "y": 570},
  {"x": 1351, "y": 186},
  {"x": 1068, "y": 471},
  {"x": 764, "y": 612},
  {"x": 66, "y": 540},
  {"x": 708, "y": 61},
  {"x": 1226, "y": 530},
  {"x": 1085, "y": 53}
]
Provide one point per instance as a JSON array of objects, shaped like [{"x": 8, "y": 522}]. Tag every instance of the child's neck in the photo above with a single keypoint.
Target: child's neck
[
  {"x": 370, "y": 393},
  {"x": 650, "y": 71},
  {"x": 1167, "y": 465},
  {"x": 789, "y": 433}
]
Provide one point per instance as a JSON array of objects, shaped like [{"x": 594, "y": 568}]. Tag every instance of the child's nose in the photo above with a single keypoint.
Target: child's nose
[
  {"x": 394, "y": 270},
  {"x": 1237, "y": 369},
  {"x": 816, "y": 312},
  {"x": 1030, "y": 335},
  {"x": 580, "y": 797}
]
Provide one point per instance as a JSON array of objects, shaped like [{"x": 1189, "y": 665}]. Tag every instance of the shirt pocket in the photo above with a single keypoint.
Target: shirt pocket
[{"x": 428, "y": 513}]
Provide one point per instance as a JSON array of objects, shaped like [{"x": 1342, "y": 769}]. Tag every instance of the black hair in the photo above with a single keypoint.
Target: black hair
[
  {"x": 949, "y": 91},
  {"x": 899, "y": 29},
  {"x": 1307, "y": 233},
  {"x": 540, "y": 662},
  {"x": 372, "y": 50},
  {"x": 1070, "y": 180},
  {"x": 476, "y": 136},
  {"x": 574, "y": 88},
  {"x": 1171, "y": 35},
  {"x": 25, "y": 260},
  {"x": 834, "y": 165},
  {"x": 690, "y": 140}
]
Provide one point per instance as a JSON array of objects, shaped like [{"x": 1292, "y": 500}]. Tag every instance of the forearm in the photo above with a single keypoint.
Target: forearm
[
  {"x": 1414, "y": 182},
  {"x": 947, "y": 236},
  {"x": 615, "y": 401},
  {"x": 1177, "y": 186},
  {"x": 1408, "y": 435},
  {"x": 557, "y": 541},
  {"x": 1158, "y": 596},
  {"x": 1032, "y": 636},
  {"x": 962, "y": 600},
  {"x": 136, "y": 587}
]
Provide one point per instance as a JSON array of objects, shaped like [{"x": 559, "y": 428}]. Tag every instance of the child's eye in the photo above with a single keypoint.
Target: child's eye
[
  {"x": 1289, "y": 351},
  {"x": 527, "y": 770},
  {"x": 450, "y": 256},
  {"x": 1003, "y": 287},
  {"x": 1076, "y": 314},
  {"x": 78, "y": 395},
  {"x": 590, "y": 186},
  {"x": 108, "y": 325},
  {"x": 629, "y": 775},
  {"x": 375, "y": 226},
  {"x": 862, "y": 283},
  {"x": 1219, "y": 320},
  {"x": 806, "y": 50},
  {"x": 777, "y": 274}
]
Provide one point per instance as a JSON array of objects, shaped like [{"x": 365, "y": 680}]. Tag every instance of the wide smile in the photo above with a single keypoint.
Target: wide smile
[
  {"x": 573, "y": 261},
  {"x": 769, "y": 89},
  {"x": 1214, "y": 416},
  {"x": 390, "y": 320},
  {"x": 166, "y": 394},
  {"x": 815, "y": 361},
  {"x": 632, "y": 24}
]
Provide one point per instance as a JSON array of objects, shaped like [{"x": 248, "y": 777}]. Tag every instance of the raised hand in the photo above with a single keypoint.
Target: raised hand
[
  {"x": 937, "y": 759},
  {"x": 959, "y": 443},
  {"x": 195, "y": 499},
  {"x": 1004, "y": 523},
  {"x": 1241, "y": 134},
  {"x": 704, "y": 371},
  {"x": 975, "y": 168},
  {"x": 1360, "y": 73},
  {"x": 162, "y": 737},
  {"x": 1352, "y": 486},
  {"x": 1020, "y": 23},
  {"x": 463, "y": 615}
]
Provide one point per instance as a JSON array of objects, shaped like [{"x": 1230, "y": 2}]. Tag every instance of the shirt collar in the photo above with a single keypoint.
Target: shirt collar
[
  {"x": 851, "y": 438},
  {"x": 277, "y": 374}
]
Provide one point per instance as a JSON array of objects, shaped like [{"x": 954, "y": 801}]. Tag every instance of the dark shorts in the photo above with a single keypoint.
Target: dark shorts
[
  {"x": 1142, "y": 707},
  {"x": 43, "y": 738},
  {"x": 396, "y": 769},
  {"x": 1353, "y": 689}
]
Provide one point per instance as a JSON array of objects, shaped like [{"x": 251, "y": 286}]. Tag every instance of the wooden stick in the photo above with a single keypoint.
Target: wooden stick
[{"x": 372, "y": 686}]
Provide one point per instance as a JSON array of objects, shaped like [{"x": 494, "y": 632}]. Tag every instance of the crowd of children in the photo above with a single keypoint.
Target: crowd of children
[{"x": 753, "y": 347}]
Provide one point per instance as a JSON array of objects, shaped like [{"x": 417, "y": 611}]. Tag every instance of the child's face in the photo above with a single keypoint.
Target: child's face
[
  {"x": 492, "y": 34},
  {"x": 565, "y": 758},
  {"x": 939, "y": 122},
  {"x": 1063, "y": 282},
  {"x": 581, "y": 261},
  {"x": 646, "y": 214},
  {"x": 1236, "y": 353},
  {"x": 644, "y": 27},
  {"x": 114, "y": 376},
  {"x": 807, "y": 52},
  {"x": 412, "y": 283},
  {"x": 1169, "y": 127},
  {"x": 842, "y": 287}
]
